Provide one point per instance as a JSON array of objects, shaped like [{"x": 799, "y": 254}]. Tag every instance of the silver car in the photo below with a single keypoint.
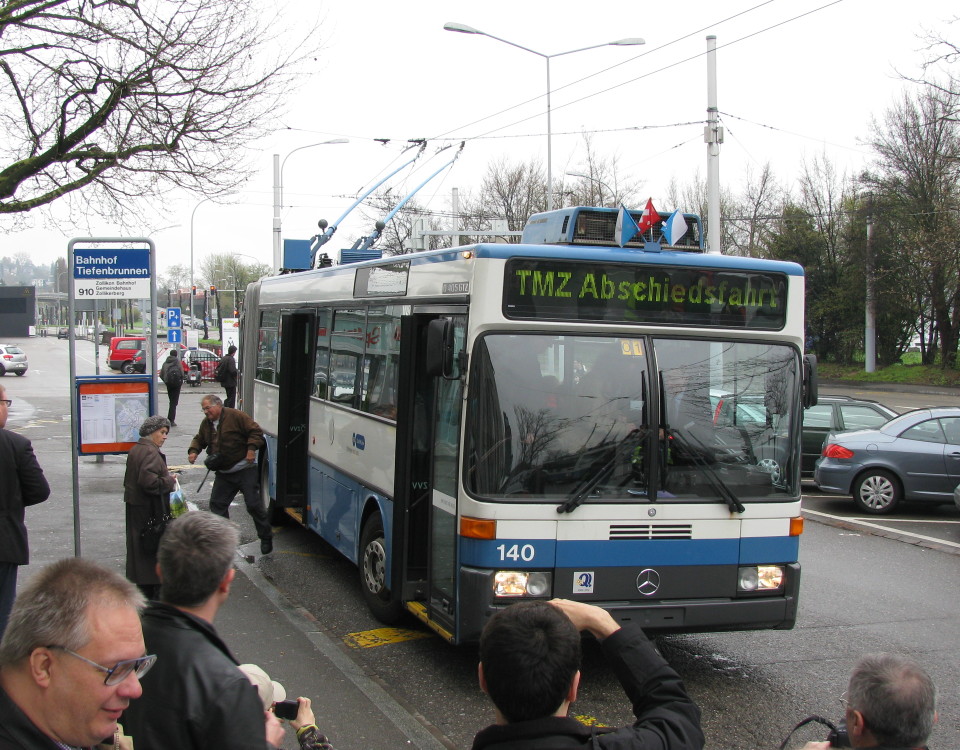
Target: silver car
[
  {"x": 12, "y": 359},
  {"x": 915, "y": 456}
]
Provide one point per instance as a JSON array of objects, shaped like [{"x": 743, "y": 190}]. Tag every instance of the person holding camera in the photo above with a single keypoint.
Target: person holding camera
[
  {"x": 298, "y": 712},
  {"x": 530, "y": 669},
  {"x": 196, "y": 697},
  {"x": 232, "y": 439},
  {"x": 890, "y": 705}
]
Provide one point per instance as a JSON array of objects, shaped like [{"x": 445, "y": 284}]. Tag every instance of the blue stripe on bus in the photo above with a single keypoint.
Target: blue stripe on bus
[
  {"x": 769, "y": 549},
  {"x": 548, "y": 553}
]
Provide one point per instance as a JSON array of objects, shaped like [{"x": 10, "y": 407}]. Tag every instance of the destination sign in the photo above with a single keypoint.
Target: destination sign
[
  {"x": 644, "y": 294},
  {"x": 121, "y": 273}
]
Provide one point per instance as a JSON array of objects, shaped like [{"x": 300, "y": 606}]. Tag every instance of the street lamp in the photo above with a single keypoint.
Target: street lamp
[
  {"x": 613, "y": 195},
  {"x": 193, "y": 287},
  {"x": 629, "y": 42},
  {"x": 278, "y": 192}
]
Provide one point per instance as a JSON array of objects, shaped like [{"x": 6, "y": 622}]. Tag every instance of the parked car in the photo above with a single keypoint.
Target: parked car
[
  {"x": 137, "y": 363},
  {"x": 915, "y": 457},
  {"x": 833, "y": 414},
  {"x": 122, "y": 349},
  {"x": 12, "y": 359}
]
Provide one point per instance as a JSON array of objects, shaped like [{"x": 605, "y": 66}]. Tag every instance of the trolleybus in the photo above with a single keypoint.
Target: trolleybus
[{"x": 562, "y": 417}]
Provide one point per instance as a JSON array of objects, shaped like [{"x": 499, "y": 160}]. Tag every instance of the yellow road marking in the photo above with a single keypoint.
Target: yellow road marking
[
  {"x": 382, "y": 637},
  {"x": 590, "y": 721}
]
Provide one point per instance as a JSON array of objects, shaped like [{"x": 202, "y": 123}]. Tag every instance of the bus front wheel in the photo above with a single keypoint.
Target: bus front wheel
[{"x": 373, "y": 573}]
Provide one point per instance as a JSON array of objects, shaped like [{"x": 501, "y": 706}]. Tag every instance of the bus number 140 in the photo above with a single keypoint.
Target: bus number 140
[{"x": 516, "y": 552}]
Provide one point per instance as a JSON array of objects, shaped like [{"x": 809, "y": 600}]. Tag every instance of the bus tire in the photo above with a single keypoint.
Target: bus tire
[{"x": 373, "y": 573}]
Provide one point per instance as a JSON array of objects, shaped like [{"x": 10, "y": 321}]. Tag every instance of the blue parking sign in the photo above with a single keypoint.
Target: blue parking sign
[{"x": 173, "y": 318}]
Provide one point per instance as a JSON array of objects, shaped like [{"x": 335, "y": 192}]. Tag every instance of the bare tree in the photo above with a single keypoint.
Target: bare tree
[
  {"x": 176, "y": 276},
  {"x": 754, "y": 215},
  {"x": 601, "y": 183},
  {"x": 511, "y": 192},
  {"x": 692, "y": 198},
  {"x": 917, "y": 177},
  {"x": 124, "y": 99},
  {"x": 397, "y": 236}
]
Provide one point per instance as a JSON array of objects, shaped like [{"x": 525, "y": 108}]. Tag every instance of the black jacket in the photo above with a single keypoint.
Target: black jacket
[
  {"x": 667, "y": 719},
  {"x": 17, "y": 732},
  {"x": 22, "y": 483},
  {"x": 195, "y": 697}
]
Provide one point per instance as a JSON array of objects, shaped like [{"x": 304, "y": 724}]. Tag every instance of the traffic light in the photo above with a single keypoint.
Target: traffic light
[
  {"x": 213, "y": 289},
  {"x": 194, "y": 289}
]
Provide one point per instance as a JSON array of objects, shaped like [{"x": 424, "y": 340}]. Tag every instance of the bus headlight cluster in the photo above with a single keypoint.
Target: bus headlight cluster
[
  {"x": 521, "y": 583},
  {"x": 760, "y": 578}
]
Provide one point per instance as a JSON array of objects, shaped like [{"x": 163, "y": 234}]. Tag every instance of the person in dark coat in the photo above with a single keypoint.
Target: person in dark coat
[
  {"x": 172, "y": 374},
  {"x": 530, "y": 668},
  {"x": 197, "y": 698},
  {"x": 22, "y": 483},
  {"x": 227, "y": 375},
  {"x": 147, "y": 484}
]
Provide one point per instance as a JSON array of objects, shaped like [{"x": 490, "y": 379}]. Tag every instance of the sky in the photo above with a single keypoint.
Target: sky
[{"x": 796, "y": 79}]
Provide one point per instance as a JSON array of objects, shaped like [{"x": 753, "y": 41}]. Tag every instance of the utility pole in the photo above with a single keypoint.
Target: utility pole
[
  {"x": 870, "y": 327},
  {"x": 713, "y": 135}
]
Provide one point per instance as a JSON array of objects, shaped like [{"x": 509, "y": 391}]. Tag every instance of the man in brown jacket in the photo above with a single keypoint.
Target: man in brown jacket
[{"x": 232, "y": 439}]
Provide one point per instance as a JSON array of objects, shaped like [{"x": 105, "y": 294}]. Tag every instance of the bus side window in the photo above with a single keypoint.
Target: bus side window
[
  {"x": 322, "y": 363},
  {"x": 381, "y": 372},
  {"x": 346, "y": 356}
]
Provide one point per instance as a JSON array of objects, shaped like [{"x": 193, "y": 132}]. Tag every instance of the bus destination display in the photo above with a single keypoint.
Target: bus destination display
[{"x": 632, "y": 293}]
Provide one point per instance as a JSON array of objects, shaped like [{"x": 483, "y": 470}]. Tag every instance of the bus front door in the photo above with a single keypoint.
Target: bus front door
[{"x": 428, "y": 450}]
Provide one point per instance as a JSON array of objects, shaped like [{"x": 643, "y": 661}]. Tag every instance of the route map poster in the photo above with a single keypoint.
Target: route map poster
[{"x": 111, "y": 414}]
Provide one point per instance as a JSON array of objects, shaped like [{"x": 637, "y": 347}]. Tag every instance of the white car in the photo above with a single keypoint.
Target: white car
[{"x": 12, "y": 359}]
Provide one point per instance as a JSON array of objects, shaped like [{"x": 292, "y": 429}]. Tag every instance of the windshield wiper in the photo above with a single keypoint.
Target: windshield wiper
[
  {"x": 712, "y": 475},
  {"x": 579, "y": 496}
]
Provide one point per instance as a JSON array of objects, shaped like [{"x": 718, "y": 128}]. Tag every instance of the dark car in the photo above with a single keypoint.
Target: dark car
[
  {"x": 63, "y": 332},
  {"x": 833, "y": 414},
  {"x": 915, "y": 457},
  {"x": 137, "y": 363}
]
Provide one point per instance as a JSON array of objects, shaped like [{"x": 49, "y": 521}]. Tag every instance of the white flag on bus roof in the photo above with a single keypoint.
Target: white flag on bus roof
[{"x": 674, "y": 228}]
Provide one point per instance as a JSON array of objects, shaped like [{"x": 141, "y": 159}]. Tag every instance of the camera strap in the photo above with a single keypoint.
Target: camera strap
[{"x": 808, "y": 720}]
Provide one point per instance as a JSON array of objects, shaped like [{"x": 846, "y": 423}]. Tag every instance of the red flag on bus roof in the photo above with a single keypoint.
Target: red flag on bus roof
[{"x": 649, "y": 216}]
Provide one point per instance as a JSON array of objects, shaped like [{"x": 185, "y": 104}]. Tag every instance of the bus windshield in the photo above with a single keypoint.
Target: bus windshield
[{"x": 601, "y": 419}]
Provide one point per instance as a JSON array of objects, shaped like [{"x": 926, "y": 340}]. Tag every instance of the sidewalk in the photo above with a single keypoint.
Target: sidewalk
[
  {"x": 263, "y": 628},
  {"x": 351, "y": 707}
]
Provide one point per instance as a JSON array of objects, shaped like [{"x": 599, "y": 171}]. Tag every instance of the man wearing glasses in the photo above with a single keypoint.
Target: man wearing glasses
[
  {"x": 71, "y": 659},
  {"x": 22, "y": 483},
  {"x": 889, "y": 704}
]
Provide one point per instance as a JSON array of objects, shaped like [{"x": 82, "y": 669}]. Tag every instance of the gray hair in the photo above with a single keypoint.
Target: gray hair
[
  {"x": 152, "y": 424},
  {"x": 52, "y": 609},
  {"x": 212, "y": 398},
  {"x": 196, "y": 551},
  {"x": 896, "y": 697}
]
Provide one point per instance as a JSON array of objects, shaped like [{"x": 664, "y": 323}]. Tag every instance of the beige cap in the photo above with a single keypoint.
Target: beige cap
[{"x": 270, "y": 691}]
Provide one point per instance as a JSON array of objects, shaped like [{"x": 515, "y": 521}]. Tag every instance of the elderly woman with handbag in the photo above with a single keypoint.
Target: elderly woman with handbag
[{"x": 147, "y": 484}]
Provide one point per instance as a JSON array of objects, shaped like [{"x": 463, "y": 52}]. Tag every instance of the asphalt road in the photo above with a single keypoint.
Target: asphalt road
[{"x": 863, "y": 589}]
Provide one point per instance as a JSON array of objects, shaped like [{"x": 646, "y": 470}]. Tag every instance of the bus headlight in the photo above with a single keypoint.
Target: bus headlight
[
  {"x": 760, "y": 578},
  {"x": 521, "y": 583}
]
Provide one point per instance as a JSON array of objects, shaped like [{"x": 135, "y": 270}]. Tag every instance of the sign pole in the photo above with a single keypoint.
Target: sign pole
[{"x": 105, "y": 273}]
